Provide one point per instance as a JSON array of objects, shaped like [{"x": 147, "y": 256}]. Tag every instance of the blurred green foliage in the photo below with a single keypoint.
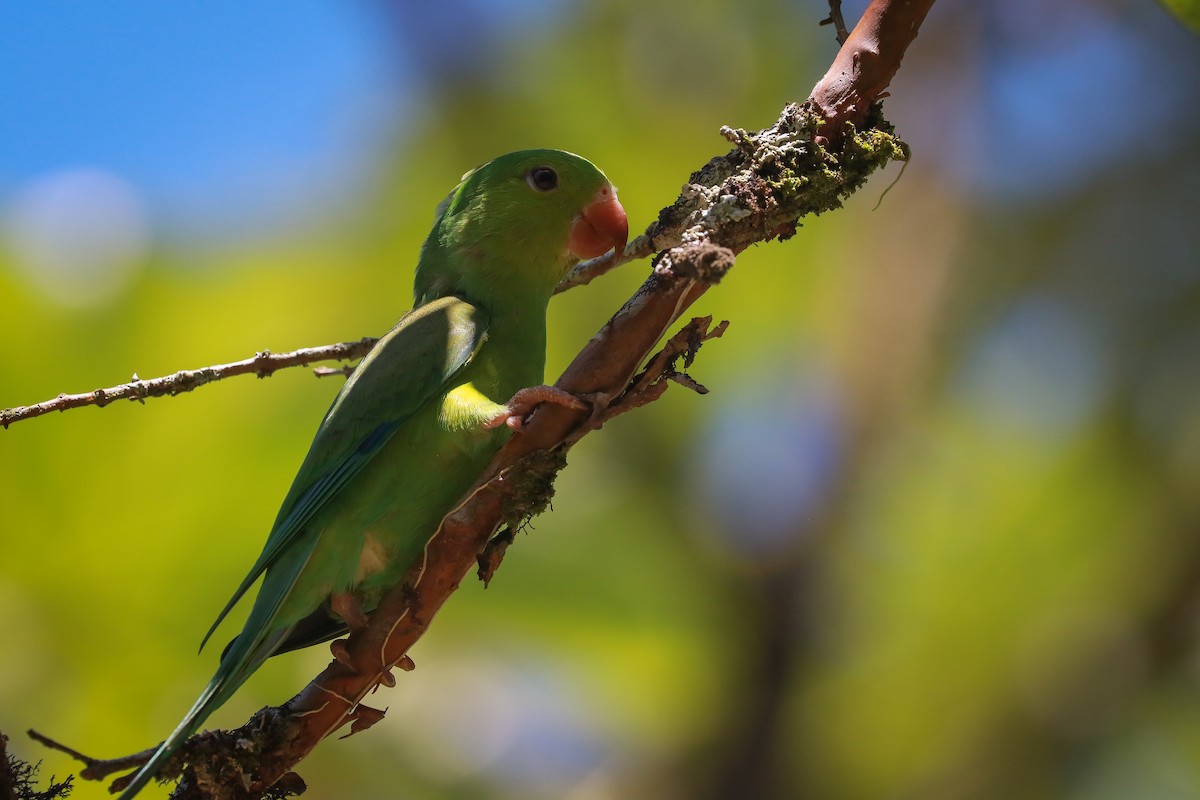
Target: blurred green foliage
[
  {"x": 1188, "y": 12},
  {"x": 990, "y": 593}
]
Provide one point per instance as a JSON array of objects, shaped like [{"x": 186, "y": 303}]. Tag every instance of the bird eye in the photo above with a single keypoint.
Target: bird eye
[{"x": 543, "y": 179}]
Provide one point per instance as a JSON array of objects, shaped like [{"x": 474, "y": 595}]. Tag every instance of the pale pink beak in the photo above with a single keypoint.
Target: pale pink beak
[{"x": 600, "y": 226}]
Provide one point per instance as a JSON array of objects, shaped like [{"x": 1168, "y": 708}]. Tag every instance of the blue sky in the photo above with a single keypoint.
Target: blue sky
[
  {"x": 236, "y": 115},
  {"x": 208, "y": 110}
]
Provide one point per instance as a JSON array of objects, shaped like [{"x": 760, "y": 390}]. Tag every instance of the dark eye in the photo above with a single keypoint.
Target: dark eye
[{"x": 542, "y": 178}]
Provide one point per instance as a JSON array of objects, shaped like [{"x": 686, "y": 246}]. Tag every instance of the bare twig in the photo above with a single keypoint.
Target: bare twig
[
  {"x": 835, "y": 19},
  {"x": 328, "y": 372},
  {"x": 262, "y": 364},
  {"x": 94, "y": 768},
  {"x": 586, "y": 271},
  {"x": 87, "y": 761}
]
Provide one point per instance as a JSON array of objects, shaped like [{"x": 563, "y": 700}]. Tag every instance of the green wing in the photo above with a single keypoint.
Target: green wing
[{"x": 407, "y": 368}]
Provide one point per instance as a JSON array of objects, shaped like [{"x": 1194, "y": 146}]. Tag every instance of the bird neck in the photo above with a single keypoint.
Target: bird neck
[
  {"x": 514, "y": 352},
  {"x": 516, "y": 321}
]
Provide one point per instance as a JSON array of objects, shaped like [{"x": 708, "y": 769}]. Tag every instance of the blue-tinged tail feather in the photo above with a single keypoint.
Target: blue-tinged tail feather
[
  {"x": 238, "y": 663},
  {"x": 209, "y": 699}
]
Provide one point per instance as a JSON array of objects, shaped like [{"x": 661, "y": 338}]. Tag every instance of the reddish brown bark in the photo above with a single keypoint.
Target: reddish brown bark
[{"x": 866, "y": 63}]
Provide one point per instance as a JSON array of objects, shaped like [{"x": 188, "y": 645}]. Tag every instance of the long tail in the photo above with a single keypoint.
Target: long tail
[
  {"x": 210, "y": 698},
  {"x": 237, "y": 664}
]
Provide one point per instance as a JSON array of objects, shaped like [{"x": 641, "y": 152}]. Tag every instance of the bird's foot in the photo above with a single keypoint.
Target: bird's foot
[
  {"x": 342, "y": 655},
  {"x": 386, "y": 678},
  {"x": 363, "y": 717},
  {"x": 346, "y": 606},
  {"x": 516, "y": 412}
]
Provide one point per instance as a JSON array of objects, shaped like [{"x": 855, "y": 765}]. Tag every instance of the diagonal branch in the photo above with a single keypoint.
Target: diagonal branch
[
  {"x": 835, "y": 19},
  {"x": 757, "y": 192}
]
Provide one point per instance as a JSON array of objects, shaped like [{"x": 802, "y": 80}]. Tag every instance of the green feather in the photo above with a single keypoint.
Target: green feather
[{"x": 404, "y": 439}]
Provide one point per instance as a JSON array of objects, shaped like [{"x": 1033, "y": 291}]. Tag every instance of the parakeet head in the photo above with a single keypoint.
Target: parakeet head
[{"x": 515, "y": 225}]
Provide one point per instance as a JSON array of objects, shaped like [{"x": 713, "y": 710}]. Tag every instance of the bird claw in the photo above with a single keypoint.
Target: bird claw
[
  {"x": 362, "y": 718},
  {"x": 346, "y": 606},
  {"x": 518, "y": 409},
  {"x": 341, "y": 654},
  {"x": 386, "y": 678}
]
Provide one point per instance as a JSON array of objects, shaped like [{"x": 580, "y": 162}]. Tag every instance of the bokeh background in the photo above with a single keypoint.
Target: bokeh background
[{"x": 935, "y": 533}]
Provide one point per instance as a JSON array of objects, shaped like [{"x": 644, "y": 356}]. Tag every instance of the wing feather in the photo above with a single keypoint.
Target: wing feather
[{"x": 411, "y": 365}]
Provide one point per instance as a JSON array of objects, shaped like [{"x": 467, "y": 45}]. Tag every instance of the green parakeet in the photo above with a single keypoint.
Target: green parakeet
[{"x": 424, "y": 411}]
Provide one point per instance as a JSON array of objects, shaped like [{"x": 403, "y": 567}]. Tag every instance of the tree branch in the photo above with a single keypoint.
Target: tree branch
[
  {"x": 836, "y": 20},
  {"x": 262, "y": 364},
  {"x": 866, "y": 63},
  {"x": 756, "y": 192}
]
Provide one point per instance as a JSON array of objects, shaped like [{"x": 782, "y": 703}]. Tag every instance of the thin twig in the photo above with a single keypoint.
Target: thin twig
[
  {"x": 835, "y": 19},
  {"x": 328, "y": 372},
  {"x": 42, "y": 739},
  {"x": 586, "y": 271},
  {"x": 262, "y": 364},
  {"x": 94, "y": 768}
]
